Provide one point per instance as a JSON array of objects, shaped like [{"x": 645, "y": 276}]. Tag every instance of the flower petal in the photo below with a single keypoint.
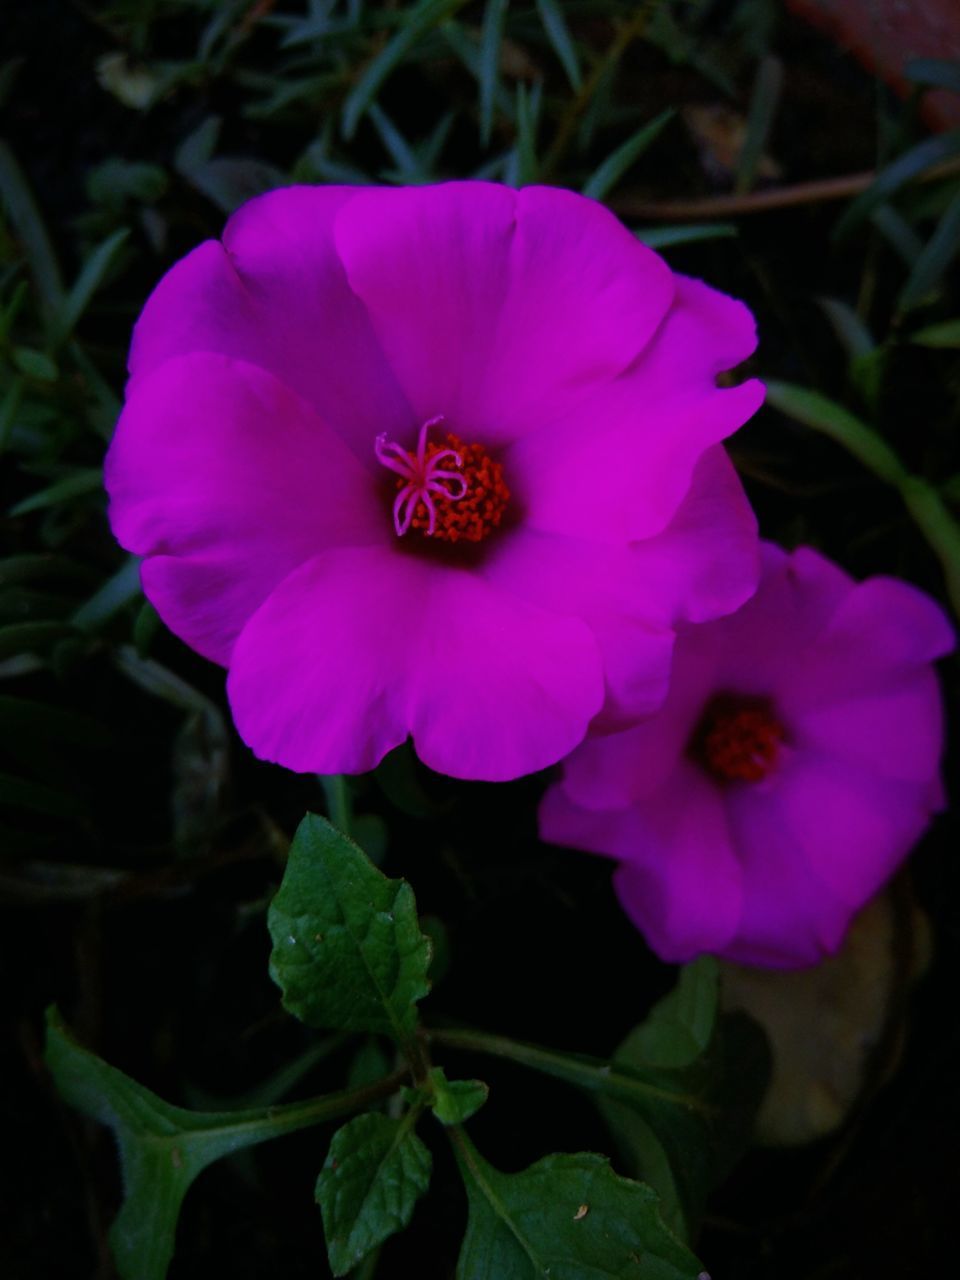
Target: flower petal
[
  {"x": 274, "y": 294},
  {"x": 852, "y": 827},
  {"x": 679, "y": 880},
  {"x": 617, "y": 464},
  {"x": 494, "y": 306},
  {"x": 360, "y": 647},
  {"x": 234, "y": 481},
  {"x": 790, "y": 916}
]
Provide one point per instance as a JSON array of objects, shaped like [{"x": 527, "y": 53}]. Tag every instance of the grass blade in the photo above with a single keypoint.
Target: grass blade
[
  {"x": 938, "y": 253},
  {"x": 903, "y": 170},
  {"x": 557, "y": 32},
  {"x": 604, "y": 178},
  {"x": 24, "y": 215},
  {"x": 491, "y": 37}
]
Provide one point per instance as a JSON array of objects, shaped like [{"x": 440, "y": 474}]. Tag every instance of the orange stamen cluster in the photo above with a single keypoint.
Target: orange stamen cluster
[
  {"x": 738, "y": 740},
  {"x": 473, "y": 517}
]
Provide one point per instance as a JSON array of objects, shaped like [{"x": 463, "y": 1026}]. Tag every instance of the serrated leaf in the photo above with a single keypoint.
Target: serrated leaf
[
  {"x": 348, "y": 952},
  {"x": 567, "y": 1216},
  {"x": 375, "y": 1172},
  {"x": 163, "y": 1148},
  {"x": 455, "y": 1101},
  {"x": 722, "y": 1066}
]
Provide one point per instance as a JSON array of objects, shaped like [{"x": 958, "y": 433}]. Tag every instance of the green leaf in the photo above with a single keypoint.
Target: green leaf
[
  {"x": 557, "y": 32},
  {"x": 604, "y": 178},
  {"x": 163, "y": 1148},
  {"x": 30, "y": 637},
  {"x": 348, "y": 952},
  {"x": 889, "y": 180},
  {"x": 76, "y": 485},
  {"x": 665, "y": 237},
  {"x": 851, "y": 332},
  {"x": 831, "y": 419},
  {"x": 86, "y": 285},
  {"x": 35, "y": 364},
  {"x": 375, "y": 1172},
  {"x": 489, "y": 64},
  {"x": 566, "y": 1216},
  {"x": 763, "y": 108},
  {"x": 679, "y": 1098},
  {"x": 418, "y": 21},
  {"x": 115, "y": 594},
  {"x": 935, "y": 258},
  {"x": 17, "y": 199},
  {"x": 455, "y": 1101},
  {"x": 945, "y": 334},
  {"x": 724, "y": 1066}
]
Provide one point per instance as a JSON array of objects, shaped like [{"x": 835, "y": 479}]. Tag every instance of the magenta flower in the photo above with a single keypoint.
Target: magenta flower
[
  {"x": 792, "y": 768},
  {"x": 438, "y": 462}
]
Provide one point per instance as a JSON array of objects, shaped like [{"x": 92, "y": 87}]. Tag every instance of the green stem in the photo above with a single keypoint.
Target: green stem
[
  {"x": 592, "y": 1074},
  {"x": 273, "y": 1122},
  {"x": 339, "y": 805}
]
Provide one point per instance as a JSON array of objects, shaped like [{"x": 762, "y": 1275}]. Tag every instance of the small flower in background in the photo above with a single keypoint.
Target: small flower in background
[
  {"x": 439, "y": 462},
  {"x": 792, "y": 768}
]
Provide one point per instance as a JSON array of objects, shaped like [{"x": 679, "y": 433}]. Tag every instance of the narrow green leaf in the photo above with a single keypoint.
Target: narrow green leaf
[
  {"x": 348, "y": 952},
  {"x": 16, "y": 197},
  {"x": 86, "y": 285},
  {"x": 830, "y": 418},
  {"x": 163, "y": 1148},
  {"x": 666, "y": 237},
  {"x": 557, "y": 32},
  {"x": 115, "y": 594},
  {"x": 525, "y": 166},
  {"x": 763, "y": 109},
  {"x": 418, "y": 21},
  {"x": 852, "y": 333},
  {"x": 35, "y": 364},
  {"x": 924, "y": 503},
  {"x": 26, "y": 717},
  {"x": 566, "y": 1216},
  {"x": 87, "y": 480},
  {"x": 30, "y": 637},
  {"x": 680, "y": 1027},
  {"x": 936, "y": 257},
  {"x": 20, "y": 793},
  {"x": 491, "y": 37},
  {"x": 401, "y": 153},
  {"x": 943, "y": 73},
  {"x": 375, "y": 1172},
  {"x": 945, "y": 334},
  {"x": 889, "y": 180},
  {"x": 898, "y": 233},
  {"x": 608, "y": 174},
  {"x": 455, "y": 1101}
]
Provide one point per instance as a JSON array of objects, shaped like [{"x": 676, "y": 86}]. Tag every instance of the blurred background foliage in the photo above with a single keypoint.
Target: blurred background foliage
[{"x": 140, "y": 842}]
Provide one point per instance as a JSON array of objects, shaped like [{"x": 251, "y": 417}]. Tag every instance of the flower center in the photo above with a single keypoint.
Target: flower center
[
  {"x": 738, "y": 739},
  {"x": 451, "y": 491}
]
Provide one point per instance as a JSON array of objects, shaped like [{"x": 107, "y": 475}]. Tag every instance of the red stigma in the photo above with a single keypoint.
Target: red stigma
[{"x": 738, "y": 739}]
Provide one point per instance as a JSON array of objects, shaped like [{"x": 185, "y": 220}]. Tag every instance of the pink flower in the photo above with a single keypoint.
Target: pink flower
[
  {"x": 439, "y": 462},
  {"x": 793, "y": 766}
]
